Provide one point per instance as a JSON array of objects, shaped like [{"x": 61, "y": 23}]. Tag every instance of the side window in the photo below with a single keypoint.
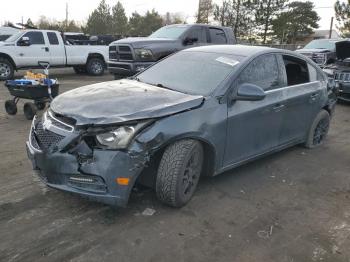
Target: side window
[
  {"x": 199, "y": 33},
  {"x": 53, "y": 39},
  {"x": 297, "y": 70},
  {"x": 217, "y": 36},
  {"x": 262, "y": 71},
  {"x": 35, "y": 38}
]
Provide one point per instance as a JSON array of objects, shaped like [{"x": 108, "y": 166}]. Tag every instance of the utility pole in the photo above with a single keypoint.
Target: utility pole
[
  {"x": 331, "y": 28},
  {"x": 66, "y": 16}
]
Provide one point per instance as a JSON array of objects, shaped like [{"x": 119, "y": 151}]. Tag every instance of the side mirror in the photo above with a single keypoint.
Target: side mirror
[
  {"x": 24, "y": 41},
  {"x": 250, "y": 92},
  {"x": 190, "y": 40}
]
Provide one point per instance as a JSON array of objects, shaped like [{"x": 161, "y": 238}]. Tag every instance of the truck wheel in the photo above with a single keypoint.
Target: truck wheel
[
  {"x": 179, "y": 171},
  {"x": 79, "y": 70},
  {"x": 319, "y": 130},
  {"x": 95, "y": 66},
  {"x": 6, "y": 69},
  {"x": 10, "y": 107},
  {"x": 29, "y": 110}
]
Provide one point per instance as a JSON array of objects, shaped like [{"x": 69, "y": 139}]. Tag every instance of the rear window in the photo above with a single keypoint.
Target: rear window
[
  {"x": 217, "y": 36},
  {"x": 53, "y": 39},
  {"x": 191, "y": 72}
]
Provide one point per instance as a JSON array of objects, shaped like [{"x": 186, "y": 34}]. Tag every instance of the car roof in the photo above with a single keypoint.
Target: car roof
[{"x": 240, "y": 50}]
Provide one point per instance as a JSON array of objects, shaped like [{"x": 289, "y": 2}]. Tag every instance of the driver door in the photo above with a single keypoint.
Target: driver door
[
  {"x": 38, "y": 50},
  {"x": 199, "y": 33},
  {"x": 253, "y": 127}
]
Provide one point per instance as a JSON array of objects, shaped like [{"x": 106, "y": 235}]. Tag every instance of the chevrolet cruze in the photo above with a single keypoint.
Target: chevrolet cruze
[{"x": 199, "y": 112}]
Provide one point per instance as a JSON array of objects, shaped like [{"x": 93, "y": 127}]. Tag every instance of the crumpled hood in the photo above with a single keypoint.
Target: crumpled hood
[
  {"x": 343, "y": 49},
  {"x": 120, "y": 101},
  {"x": 142, "y": 42}
]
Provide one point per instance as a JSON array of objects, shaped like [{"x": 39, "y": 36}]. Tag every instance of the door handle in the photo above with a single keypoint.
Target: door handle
[
  {"x": 314, "y": 96},
  {"x": 278, "y": 107},
  {"x": 46, "y": 49}
]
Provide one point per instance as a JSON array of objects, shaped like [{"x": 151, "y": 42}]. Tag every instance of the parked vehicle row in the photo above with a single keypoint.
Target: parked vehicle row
[
  {"x": 198, "y": 112},
  {"x": 26, "y": 48}
]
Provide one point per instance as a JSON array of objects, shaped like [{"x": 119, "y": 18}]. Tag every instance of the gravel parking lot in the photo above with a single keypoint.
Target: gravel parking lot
[{"x": 292, "y": 206}]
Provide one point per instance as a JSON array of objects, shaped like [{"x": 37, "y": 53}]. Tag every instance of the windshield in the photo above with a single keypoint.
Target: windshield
[
  {"x": 14, "y": 37},
  {"x": 321, "y": 44},
  {"x": 171, "y": 32},
  {"x": 191, "y": 72}
]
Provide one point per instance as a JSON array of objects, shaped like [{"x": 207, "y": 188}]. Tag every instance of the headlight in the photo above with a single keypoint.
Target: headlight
[
  {"x": 143, "y": 55},
  {"x": 116, "y": 139},
  {"x": 329, "y": 72}
]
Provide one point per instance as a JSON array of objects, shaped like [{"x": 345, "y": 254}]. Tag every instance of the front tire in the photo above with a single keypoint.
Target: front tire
[
  {"x": 95, "y": 66},
  {"x": 6, "y": 69},
  {"x": 319, "y": 130},
  {"x": 179, "y": 171}
]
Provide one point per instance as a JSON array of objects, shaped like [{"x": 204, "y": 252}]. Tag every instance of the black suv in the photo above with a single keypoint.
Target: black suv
[{"x": 132, "y": 55}]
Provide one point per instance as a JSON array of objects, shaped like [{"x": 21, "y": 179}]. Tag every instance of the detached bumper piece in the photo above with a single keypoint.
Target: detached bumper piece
[{"x": 93, "y": 176}]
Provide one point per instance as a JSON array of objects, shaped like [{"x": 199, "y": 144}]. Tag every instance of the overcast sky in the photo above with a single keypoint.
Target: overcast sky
[{"x": 13, "y": 10}]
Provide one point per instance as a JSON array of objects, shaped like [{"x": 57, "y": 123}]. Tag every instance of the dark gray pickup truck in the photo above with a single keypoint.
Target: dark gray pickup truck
[{"x": 132, "y": 55}]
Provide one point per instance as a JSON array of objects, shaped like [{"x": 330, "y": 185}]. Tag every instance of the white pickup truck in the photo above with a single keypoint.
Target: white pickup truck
[{"x": 26, "y": 48}]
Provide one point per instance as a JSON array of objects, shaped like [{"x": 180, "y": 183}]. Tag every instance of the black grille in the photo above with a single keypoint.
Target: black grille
[
  {"x": 59, "y": 124},
  {"x": 120, "y": 53},
  {"x": 44, "y": 139},
  {"x": 342, "y": 76},
  {"x": 124, "y": 48}
]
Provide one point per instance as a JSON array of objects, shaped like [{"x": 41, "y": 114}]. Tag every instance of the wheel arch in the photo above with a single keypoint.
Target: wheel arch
[
  {"x": 8, "y": 57},
  {"x": 148, "y": 175},
  {"x": 96, "y": 55}
]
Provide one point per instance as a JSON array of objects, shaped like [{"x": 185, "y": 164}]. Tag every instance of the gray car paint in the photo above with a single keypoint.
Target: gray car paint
[{"x": 232, "y": 132}]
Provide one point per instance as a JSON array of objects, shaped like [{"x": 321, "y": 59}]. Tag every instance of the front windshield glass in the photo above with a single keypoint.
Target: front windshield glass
[
  {"x": 13, "y": 37},
  {"x": 171, "y": 32},
  {"x": 191, "y": 72},
  {"x": 321, "y": 44}
]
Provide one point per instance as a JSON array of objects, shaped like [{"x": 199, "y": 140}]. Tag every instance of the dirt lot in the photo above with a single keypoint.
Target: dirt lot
[{"x": 293, "y": 206}]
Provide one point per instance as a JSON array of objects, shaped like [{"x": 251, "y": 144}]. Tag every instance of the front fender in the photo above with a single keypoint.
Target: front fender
[{"x": 206, "y": 124}]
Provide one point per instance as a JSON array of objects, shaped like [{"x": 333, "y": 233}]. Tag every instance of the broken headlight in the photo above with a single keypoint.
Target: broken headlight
[
  {"x": 143, "y": 55},
  {"x": 116, "y": 139}
]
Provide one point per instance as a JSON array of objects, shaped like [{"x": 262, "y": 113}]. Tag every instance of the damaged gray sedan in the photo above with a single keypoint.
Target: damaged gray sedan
[{"x": 199, "y": 112}]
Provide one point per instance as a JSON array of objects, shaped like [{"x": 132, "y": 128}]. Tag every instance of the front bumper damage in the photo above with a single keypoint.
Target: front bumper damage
[{"x": 63, "y": 161}]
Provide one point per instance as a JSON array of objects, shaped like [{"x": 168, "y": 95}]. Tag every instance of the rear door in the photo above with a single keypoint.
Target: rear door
[
  {"x": 37, "y": 51},
  {"x": 253, "y": 127},
  {"x": 301, "y": 97},
  {"x": 217, "y": 36},
  {"x": 56, "y": 47}
]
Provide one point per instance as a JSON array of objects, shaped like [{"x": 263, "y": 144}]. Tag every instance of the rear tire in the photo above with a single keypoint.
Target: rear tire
[
  {"x": 95, "y": 66},
  {"x": 6, "y": 69},
  {"x": 11, "y": 107},
  {"x": 179, "y": 171},
  {"x": 29, "y": 110},
  {"x": 319, "y": 130}
]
